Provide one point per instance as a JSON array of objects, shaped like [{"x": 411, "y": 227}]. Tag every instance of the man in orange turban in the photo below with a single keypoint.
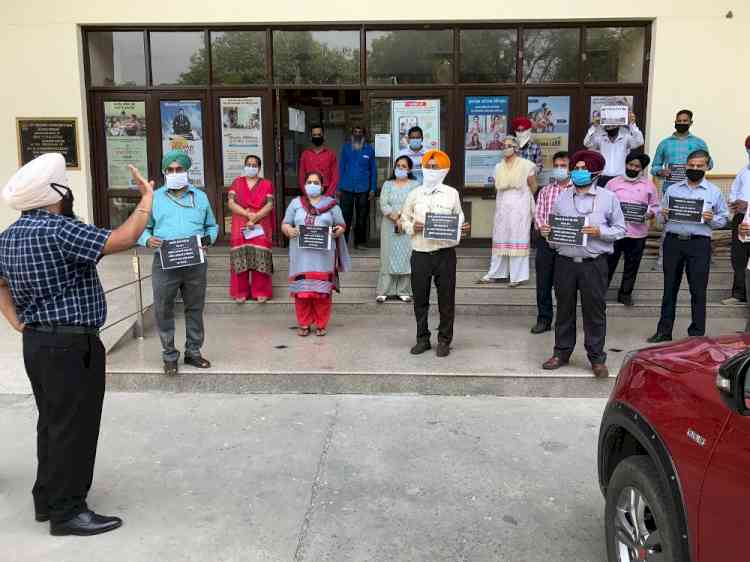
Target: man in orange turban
[{"x": 434, "y": 249}]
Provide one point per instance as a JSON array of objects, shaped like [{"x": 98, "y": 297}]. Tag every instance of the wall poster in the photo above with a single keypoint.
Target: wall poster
[
  {"x": 406, "y": 114},
  {"x": 241, "y": 134},
  {"x": 550, "y": 128},
  {"x": 182, "y": 129},
  {"x": 485, "y": 127},
  {"x": 125, "y": 138}
]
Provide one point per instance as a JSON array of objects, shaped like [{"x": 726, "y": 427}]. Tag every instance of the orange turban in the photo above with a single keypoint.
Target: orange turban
[{"x": 442, "y": 159}]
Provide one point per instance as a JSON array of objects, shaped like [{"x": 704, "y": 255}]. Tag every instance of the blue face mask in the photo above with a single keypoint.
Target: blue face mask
[
  {"x": 415, "y": 144},
  {"x": 313, "y": 189},
  {"x": 401, "y": 173},
  {"x": 559, "y": 174},
  {"x": 581, "y": 177}
]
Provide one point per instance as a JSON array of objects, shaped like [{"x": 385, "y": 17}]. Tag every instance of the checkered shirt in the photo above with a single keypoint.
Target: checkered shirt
[
  {"x": 49, "y": 262},
  {"x": 532, "y": 151}
]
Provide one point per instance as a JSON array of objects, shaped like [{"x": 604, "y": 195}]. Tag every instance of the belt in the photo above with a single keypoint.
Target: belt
[
  {"x": 581, "y": 260},
  {"x": 434, "y": 252},
  {"x": 686, "y": 236},
  {"x": 83, "y": 330}
]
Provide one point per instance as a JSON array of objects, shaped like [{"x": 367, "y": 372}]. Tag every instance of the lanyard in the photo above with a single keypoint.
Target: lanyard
[{"x": 191, "y": 205}]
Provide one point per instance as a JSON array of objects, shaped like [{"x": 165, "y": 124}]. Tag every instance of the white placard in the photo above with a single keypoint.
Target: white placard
[
  {"x": 382, "y": 146},
  {"x": 614, "y": 115}
]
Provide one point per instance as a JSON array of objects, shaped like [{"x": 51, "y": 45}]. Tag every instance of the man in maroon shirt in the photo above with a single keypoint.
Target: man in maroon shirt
[{"x": 321, "y": 159}]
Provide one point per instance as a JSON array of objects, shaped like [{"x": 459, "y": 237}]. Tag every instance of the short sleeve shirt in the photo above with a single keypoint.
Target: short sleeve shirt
[{"x": 49, "y": 262}]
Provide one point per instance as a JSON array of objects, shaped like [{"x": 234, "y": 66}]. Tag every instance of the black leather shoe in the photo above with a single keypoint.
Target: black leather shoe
[
  {"x": 443, "y": 350},
  {"x": 171, "y": 368},
  {"x": 421, "y": 347},
  {"x": 627, "y": 300},
  {"x": 658, "y": 338},
  {"x": 85, "y": 524},
  {"x": 541, "y": 327},
  {"x": 197, "y": 361}
]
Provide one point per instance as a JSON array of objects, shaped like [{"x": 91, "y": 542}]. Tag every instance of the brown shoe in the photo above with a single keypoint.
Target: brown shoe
[
  {"x": 600, "y": 370},
  {"x": 553, "y": 363}
]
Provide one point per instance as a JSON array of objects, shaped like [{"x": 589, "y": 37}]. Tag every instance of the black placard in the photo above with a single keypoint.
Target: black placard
[
  {"x": 438, "y": 226},
  {"x": 41, "y": 136},
  {"x": 634, "y": 212},
  {"x": 315, "y": 237},
  {"x": 677, "y": 173},
  {"x": 685, "y": 210},
  {"x": 567, "y": 230},
  {"x": 183, "y": 252}
]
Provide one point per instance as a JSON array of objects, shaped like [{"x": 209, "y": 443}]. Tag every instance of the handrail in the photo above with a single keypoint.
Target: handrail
[{"x": 136, "y": 282}]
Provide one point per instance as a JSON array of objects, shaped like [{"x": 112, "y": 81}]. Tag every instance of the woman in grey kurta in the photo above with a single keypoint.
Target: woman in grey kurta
[{"x": 395, "y": 244}]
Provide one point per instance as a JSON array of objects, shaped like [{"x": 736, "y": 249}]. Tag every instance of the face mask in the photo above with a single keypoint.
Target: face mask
[
  {"x": 313, "y": 189},
  {"x": 401, "y": 173},
  {"x": 176, "y": 181},
  {"x": 67, "y": 200},
  {"x": 508, "y": 152},
  {"x": 581, "y": 178},
  {"x": 415, "y": 144},
  {"x": 695, "y": 175},
  {"x": 318, "y": 141},
  {"x": 523, "y": 137},
  {"x": 251, "y": 171},
  {"x": 560, "y": 174},
  {"x": 632, "y": 174},
  {"x": 681, "y": 127},
  {"x": 433, "y": 178}
]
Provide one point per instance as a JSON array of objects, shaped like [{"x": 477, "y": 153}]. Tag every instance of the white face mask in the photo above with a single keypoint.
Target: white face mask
[
  {"x": 432, "y": 178},
  {"x": 176, "y": 181},
  {"x": 251, "y": 171},
  {"x": 523, "y": 137},
  {"x": 509, "y": 151}
]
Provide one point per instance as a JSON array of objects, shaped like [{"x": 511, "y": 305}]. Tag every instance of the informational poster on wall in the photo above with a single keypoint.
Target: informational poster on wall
[
  {"x": 406, "y": 114},
  {"x": 182, "y": 129},
  {"x": 125, "y": 137},
  {"x": 485, "y": 127},
  {"x": 550, "y": 128},
  {"x": 597, "y": 102},
  {"x": 241, "y": 134}
]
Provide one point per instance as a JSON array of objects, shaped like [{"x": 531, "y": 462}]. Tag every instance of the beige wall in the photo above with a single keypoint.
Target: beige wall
[{"x": 699, "y": 58}]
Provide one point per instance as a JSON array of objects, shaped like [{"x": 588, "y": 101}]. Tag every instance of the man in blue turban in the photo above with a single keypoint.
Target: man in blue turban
[{"x": 180, "y": 211}]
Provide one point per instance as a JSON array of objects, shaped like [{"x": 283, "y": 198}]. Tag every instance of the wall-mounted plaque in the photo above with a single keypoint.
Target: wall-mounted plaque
[{"x": 37, "y": 136}]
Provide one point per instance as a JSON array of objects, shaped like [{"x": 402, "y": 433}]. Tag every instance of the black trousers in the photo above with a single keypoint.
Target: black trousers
[
  {"x": 360, "y": 203},
  {"x": 589, "y": 278},
  {"x": 692, "y": 256},
  {"x": 441, "y": 266},
  {"x": 67, "y": 376},
  {"x": 740, "y": 255},
  {"x": 632, "y": 249},
  {"x": 544, "y": 262}
]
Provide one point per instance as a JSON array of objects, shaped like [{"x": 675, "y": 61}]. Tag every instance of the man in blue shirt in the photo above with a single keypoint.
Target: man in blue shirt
[
  {"x": 179, "y": 211},
  {"x": 687, "y": 245},
  {"x": 357, "y": 184},
  {"x": 51, "y": 293}
]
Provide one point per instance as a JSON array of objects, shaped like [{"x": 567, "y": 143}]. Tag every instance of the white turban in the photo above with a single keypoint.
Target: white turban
[{"x": 30, "y": 188}]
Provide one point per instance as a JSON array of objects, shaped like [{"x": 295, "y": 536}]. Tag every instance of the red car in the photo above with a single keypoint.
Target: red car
[{"x": 674, "y": 453}]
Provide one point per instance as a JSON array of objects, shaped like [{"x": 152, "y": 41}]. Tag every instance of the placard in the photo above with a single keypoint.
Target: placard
[
  {"x": 126, "y": 141},
  {"x": 182, "y": 252},
  {"x": 485, "y": 127},
  {"x": 685, "y": 210},
  {"x": 439, "y": 226},
  {"x": 614, "y": 115},
  {"x": 550, "y": 128},
  {"x": 241, "y": 134},
  {"x": 568, "y": 231},
  {"x": 634, "y": 212},
  {"x": 598, "y": 102},
  {"x": 37, "y": 136},
  {"x": 677, "y": 173},
  {"x": 182, "y": 129},
  {"x": 255, "y": 232},
  {"x": 314, "y": 237}
]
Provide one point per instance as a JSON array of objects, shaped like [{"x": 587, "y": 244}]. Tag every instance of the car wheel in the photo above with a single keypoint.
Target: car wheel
[{"x": 640, "y": 519}]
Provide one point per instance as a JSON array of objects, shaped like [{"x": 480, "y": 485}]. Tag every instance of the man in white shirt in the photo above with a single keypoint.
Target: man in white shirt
[
  {"x": 415, "y": 151},
  {"x": 614, "y": 143},
  {"x": 433, "y": 258}
]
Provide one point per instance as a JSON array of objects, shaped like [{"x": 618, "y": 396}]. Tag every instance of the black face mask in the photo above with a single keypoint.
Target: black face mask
[
  {"x": 318, "y": 141},
  {"x": 682, "y": 127},
  {"x": 67, "y": 200},
  {"x": 694, "y": 175},
  {"x": 631, "y": 173}
]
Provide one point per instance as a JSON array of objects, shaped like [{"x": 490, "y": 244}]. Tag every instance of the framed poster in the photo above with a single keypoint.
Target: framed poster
[
  {"x": 241, "y": 134},
  {"x": 37, "y": 136},
  {"x": 485, "y": 127},
  {"x": 406, "y": 114},
  {"x": 125, "y": 139},
  {"x": 182, "y": 129},
  {"x": 550, "y": 128}
]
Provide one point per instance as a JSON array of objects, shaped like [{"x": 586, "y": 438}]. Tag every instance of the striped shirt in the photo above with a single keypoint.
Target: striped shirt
[
  {"x": 532, "y": 151},
  {"x": 546, "y": 200}
]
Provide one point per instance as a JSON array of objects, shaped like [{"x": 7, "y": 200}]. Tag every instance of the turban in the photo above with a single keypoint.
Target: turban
[
  {"x": 594, "y": 161},
  {"x": 642, "y": 158},
  {"x": 747, "y": 142},
  {"x": 524, "y": 122},
  {"x": 30, "y": 188},
  {"x": 439, "y": 156},
  {"x": 176, "y": 156}
]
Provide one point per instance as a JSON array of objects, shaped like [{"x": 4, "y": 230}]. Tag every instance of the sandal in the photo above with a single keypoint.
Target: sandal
[
  {"x": 380, "y": 299},
  {"x": 303, "y": 332},
  {"x": 321, "y": 332},
  {"x": 240, "y": 301},
  {"x": 261, "y": 300}
]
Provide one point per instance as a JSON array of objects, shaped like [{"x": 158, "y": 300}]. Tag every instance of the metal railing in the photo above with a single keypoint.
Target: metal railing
[{"x": 137, "y": 283}]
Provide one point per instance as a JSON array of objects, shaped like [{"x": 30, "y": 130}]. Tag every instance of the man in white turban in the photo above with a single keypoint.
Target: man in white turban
[{"x": 50, "y": 291}]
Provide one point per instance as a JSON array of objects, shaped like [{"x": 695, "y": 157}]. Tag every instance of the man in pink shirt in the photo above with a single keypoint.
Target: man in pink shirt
[
  {"x": 639, "y": 202},
  {"x": 319, "y": 159}
]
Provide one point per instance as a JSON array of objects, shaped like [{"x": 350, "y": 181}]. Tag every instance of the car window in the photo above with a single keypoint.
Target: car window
[{"x": 747, "y": 391}]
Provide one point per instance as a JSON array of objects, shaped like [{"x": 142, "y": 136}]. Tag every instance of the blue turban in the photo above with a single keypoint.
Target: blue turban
[{"x": 176, "y": 156}]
